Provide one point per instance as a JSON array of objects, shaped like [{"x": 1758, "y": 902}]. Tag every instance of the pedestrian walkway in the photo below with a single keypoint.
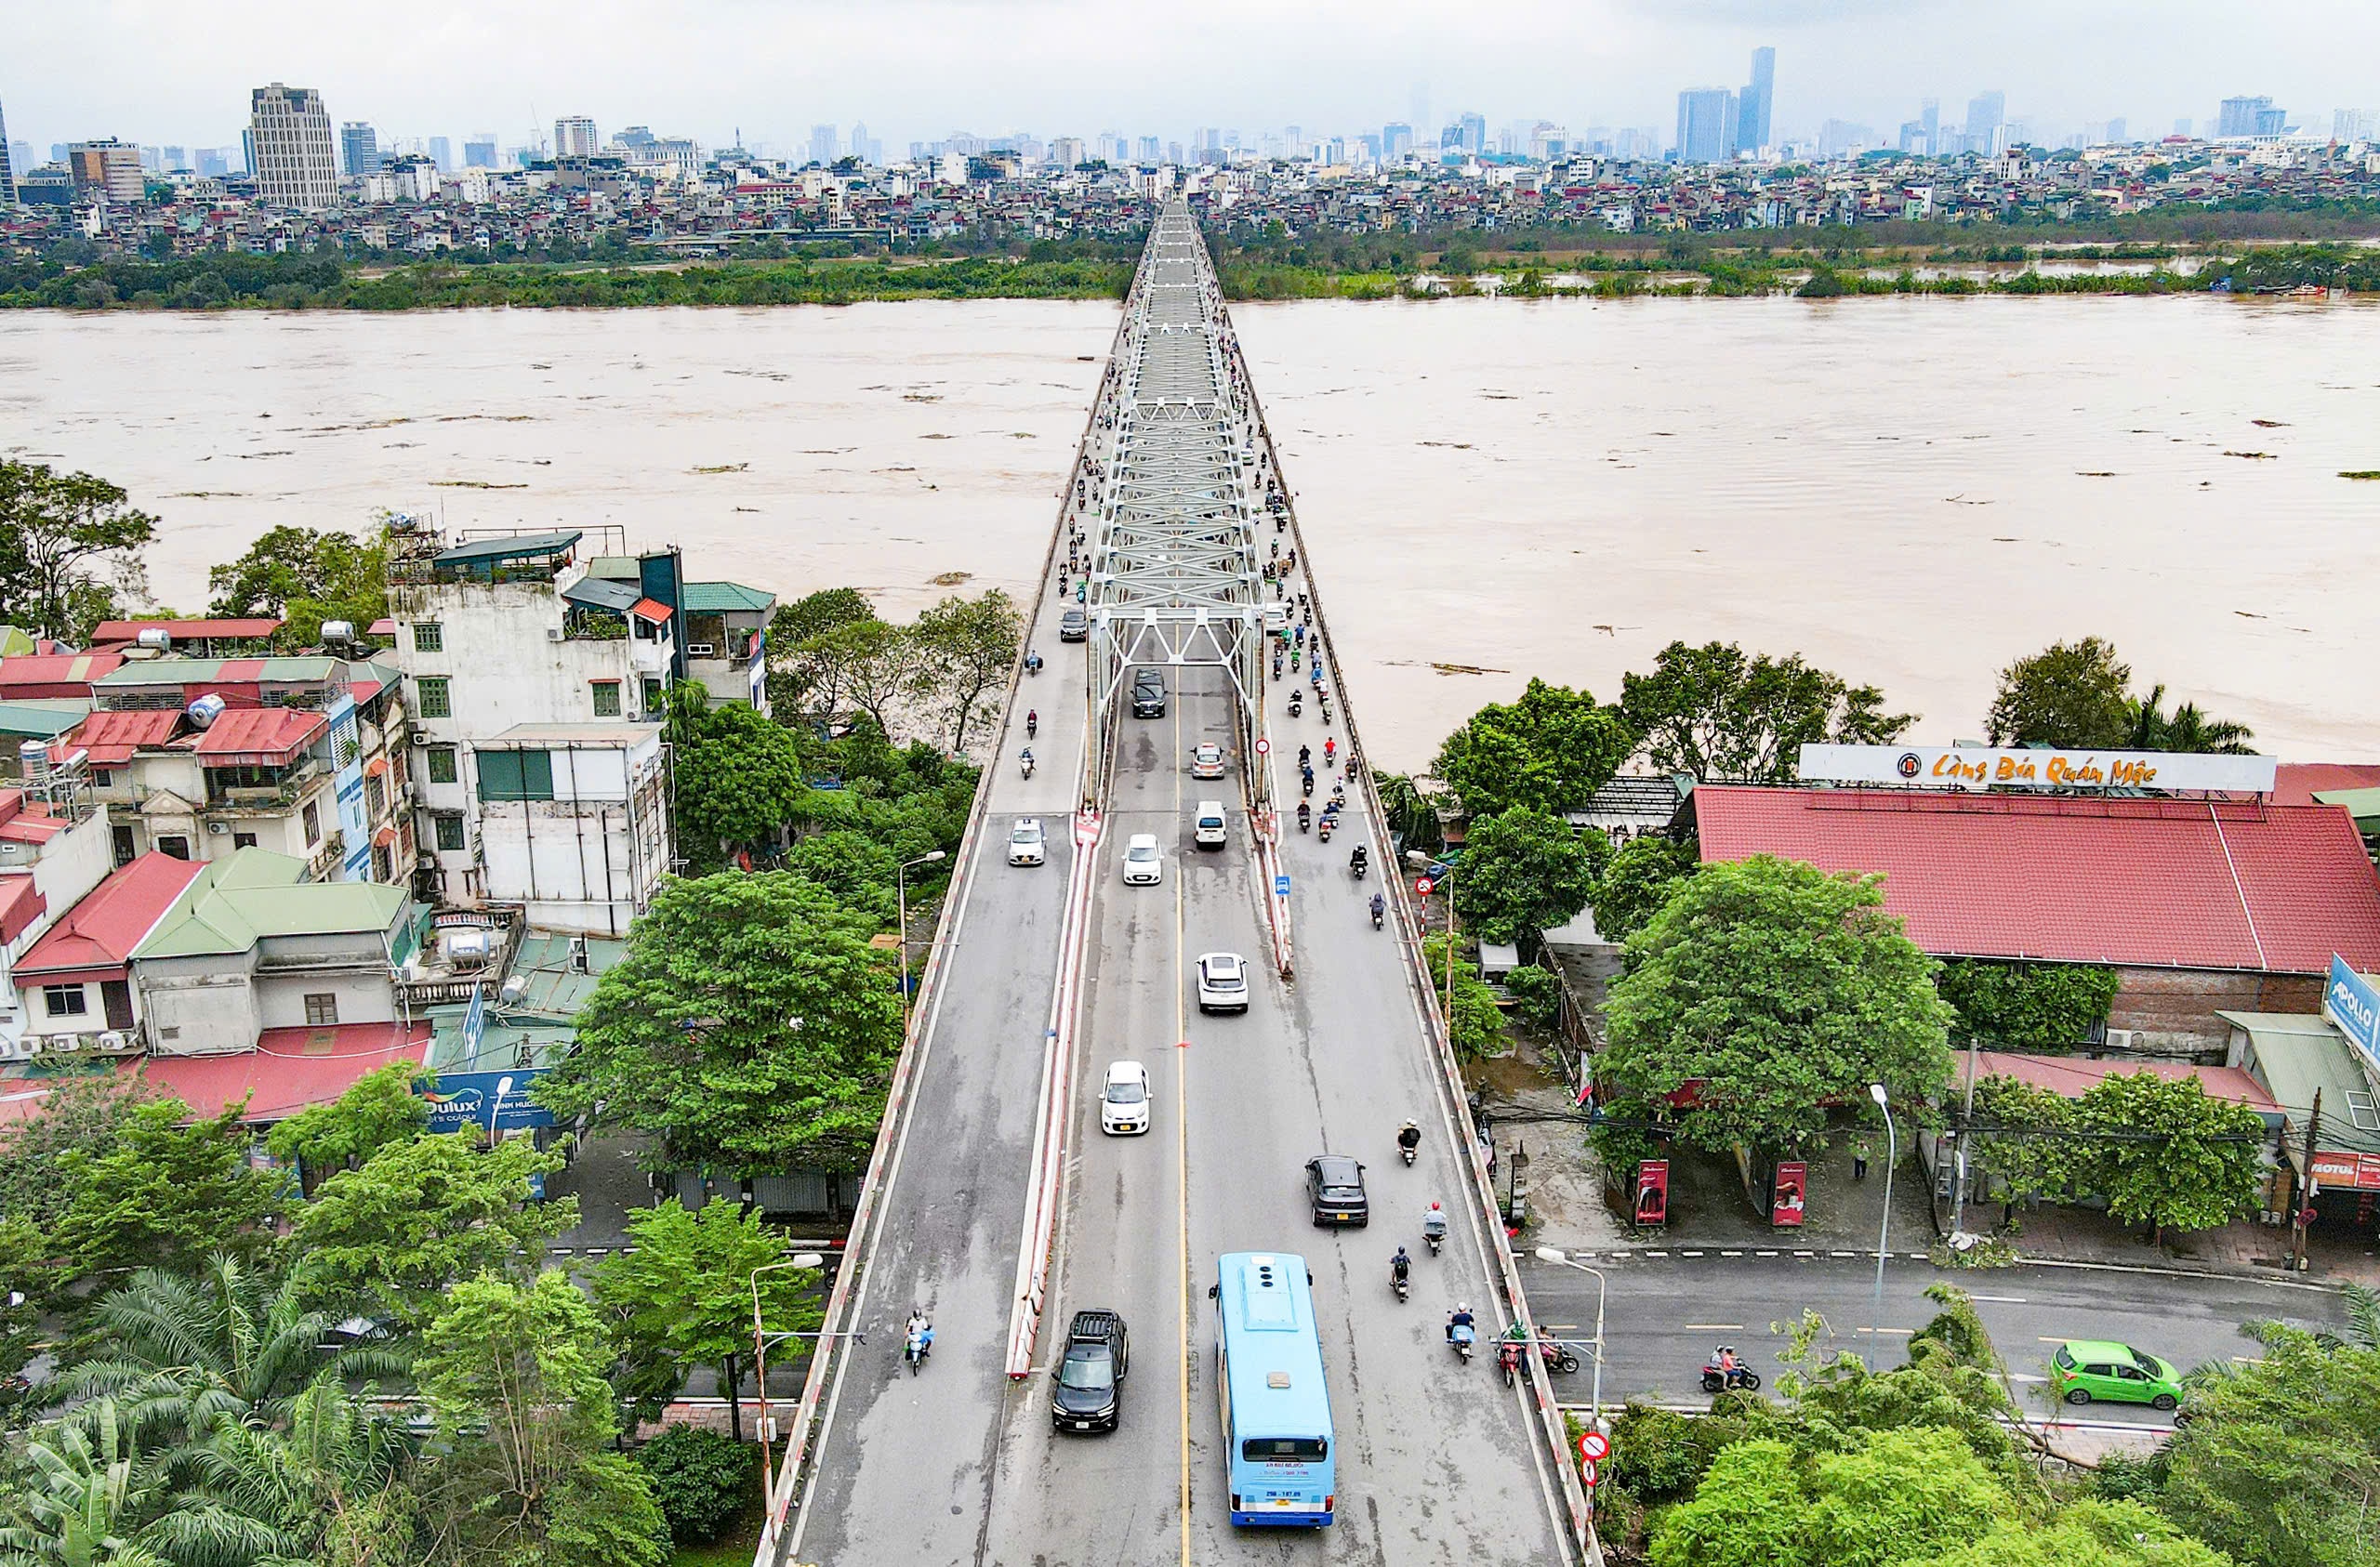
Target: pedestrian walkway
[{"x": 2087, "y": 1235}]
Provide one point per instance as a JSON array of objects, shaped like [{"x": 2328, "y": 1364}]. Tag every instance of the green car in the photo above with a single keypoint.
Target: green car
[{"x": 2084, "y": 1369}]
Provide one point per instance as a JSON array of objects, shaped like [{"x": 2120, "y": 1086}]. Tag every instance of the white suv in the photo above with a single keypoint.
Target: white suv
[
  {"x": 1223, "y": 983},
  {"x": 1025, "y": 847},
  {"x": 1124, "y": 1103},
  {"x": 1144, "y": 865}
]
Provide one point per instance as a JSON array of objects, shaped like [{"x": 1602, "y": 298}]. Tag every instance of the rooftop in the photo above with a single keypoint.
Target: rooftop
[
  {"x": 42, "y": 717},
  {"x": 2299, "y": 783},
  {"x": 2183, "y": 884},
  {"x": 290, "y": 1070},
  {"x": 726, "y": 597},
  {"x": 2071, "y": 1076},
  {"x": 260, "y": 736},
  {"x": 110, "y": 738},
  {"x": 622, "y": 733},
  {"x": 46, "y": 669},
  {"x": 252, "y": 627},
  {"x": 234, "y": 903},
  {"x": 523, "y": 547},
  {"x": 223, "y": 671},
  {"x": 113, "y": 918}
]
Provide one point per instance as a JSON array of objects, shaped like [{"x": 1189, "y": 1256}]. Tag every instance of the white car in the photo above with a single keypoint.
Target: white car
[
  {"x": 1223, "y": 983},
  {"x": 1143, "y": 864},
  {"x": 1207, "y": 760},
  {"x": 1025, "y": 845},
  {"x": 1124, "y": 1103}
]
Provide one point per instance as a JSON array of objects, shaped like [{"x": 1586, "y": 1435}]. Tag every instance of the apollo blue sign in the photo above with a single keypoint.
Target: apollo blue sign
[
  {"x": 2353, "y": 1003},
  {"x": 489, "y": 1100}
]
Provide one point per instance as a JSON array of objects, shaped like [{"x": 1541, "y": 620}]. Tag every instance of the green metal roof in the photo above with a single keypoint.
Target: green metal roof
[
  {"x": 523, "y": 547},
  {"x": 727, "y": 597},
  {"x": 2298, "y": 1052},
  {"x": 43, "y": 717},
  {"x": 195, "y": 671},
  {"x": 2362, "y": 804},
  {"x": 255, "y": 893},
  {"x": 14, "y": 640}
]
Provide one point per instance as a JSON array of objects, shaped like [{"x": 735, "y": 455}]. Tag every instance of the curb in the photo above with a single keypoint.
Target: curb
[{"x": 2024, "y": 1259}]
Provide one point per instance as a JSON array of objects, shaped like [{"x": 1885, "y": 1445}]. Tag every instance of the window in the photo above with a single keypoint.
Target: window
[
  {"x": 607, "y": 699},
  {"x": 449, "y": 827},
  {"x": 516, "y": 775},
  {"x": 429, "y": 637},
  {"x": 652, "y": 695},
  {"x": 322, "y": 1009},
  {"x": 435, "y": 700},
  {"x": 375, "y": 798},
  {"x": 180, "y": 847},
  {"x": 102, "y": 777},
  {"x": 243, "y": 840},
  {"x": 443, "y": 768},
  {"x": 127, "y": 847},
  {"x": 383, "y": 867},
  {"x": 312, "y": 818},
  {"x": 65, "y": 1001},
  {"x": 115, "y": 999},
  {"x": 1310, "y": 1449}
]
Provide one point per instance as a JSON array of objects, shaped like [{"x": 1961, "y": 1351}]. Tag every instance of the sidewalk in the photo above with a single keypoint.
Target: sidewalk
[{"x": 2069, "y": 1234}]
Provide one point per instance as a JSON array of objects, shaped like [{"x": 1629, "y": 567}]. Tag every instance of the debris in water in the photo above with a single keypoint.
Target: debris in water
[
  {"x": 1466, "y": 669},
  {"x": 747, "y": 508},
  {"x": 950, "y": 579},
  {"x": 2250, "y": 614},
  {"x": 2095, "y": 473},
  {"x": 1457, "y": 445},
  {"x": 2360, "y": 473},
  {"x": 721, "y": 468},
  {"x": 472, "y": 484},
  {"x": 920, "y": 397},
  {"x": 2259, "y": 456},
  {"x": 2268, "y": 424},
  {"x": 931, "y": 435}
]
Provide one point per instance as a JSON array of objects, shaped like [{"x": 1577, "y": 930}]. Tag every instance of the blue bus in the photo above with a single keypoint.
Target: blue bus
[{"x": 1278, "y": 1464}]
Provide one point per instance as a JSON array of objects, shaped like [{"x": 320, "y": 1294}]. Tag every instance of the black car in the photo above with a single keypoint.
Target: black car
[
  {"x": 1149, "y": 694},
  {"x": 1075, "y": 626},
  {"x": 1334, "y": 1184},
  {"x": 1089, "y": 1377}
]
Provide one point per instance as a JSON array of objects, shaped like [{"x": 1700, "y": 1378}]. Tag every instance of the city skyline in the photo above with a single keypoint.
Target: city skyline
[{"x": 161, "y": 77}]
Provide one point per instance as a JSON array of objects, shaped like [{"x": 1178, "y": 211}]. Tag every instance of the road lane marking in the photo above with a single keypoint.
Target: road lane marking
[
  {"x": 1888, "y": 1332},
  {"x": 1710, "y": 1327},
  {"x": 2000, "y": 1299},
  {"x": 1182, "y": 1146}
]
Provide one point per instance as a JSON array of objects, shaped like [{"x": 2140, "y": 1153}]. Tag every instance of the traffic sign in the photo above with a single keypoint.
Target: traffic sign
[
  {"x": 1587, "y": 1473},
  {"x": 1264, "y": 746},
  {"x": 1593, "y": 1445},
  {"x": 1421, "y": 886},
  {"x": 1280, "y": 887}
]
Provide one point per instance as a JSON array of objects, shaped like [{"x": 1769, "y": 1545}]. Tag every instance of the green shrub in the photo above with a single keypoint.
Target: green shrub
[
  {"x": 1539, "y": 993},
  {"x": 701, "y": 1479},
  {"x": 2028, "y": 1005}
]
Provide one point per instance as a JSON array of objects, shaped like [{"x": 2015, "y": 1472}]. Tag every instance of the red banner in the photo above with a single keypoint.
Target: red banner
[
  {"x": 1788, "y": 1193},
  {"x": 2360, "y": 1171},
  {"x": 1653, "y": 1191}
]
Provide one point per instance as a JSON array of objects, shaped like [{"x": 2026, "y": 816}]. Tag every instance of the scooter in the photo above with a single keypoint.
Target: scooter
[
  {"x": 1305, "y": 817},
  {"x": 1327, "y": 825},
  {"x": 1380, "y": 915},
  {"x": 1459, "y": 1337},
  {"x": 1032, "y": 725},
  {"x": 1715, "y": 1380},
  {"x": 1401, "y": 1283},
  {"x": 1025, "y": 761},
  {"x": 1360, "y": 867},
  {"x": 1508, "y": 1360}
]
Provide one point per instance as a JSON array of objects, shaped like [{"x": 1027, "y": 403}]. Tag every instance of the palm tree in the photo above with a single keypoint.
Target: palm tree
[
  {"x": 93, "y": 1501},
  {"x": 231, "y": 1344},
  {"x": 2186, "y": 729},
  {"x": 338, "y": 1455}
]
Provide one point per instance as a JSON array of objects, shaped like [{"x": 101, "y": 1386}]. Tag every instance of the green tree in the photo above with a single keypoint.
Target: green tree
[
  {"x": 1778, "y": 988},
  {"x": 1549, "y": 751},
  {"x": 70, "y": 549},
  {"x": 737, "y": 773},
  {"x": 89, "y": 1498},
  {"x": 1476, "y": 1025},
  {"x": 2085, "y": 1534},
  {"x": 2025, "y": 1137},
  {"x": 1407, "y": 812},
  {"x": 966, "y": 647},
  {"x": 394, "y": 1235},
  {"x": 749, "y": 1027},
  {"x": 2168, "y": 1153},
  {"x": 1636, "y": 881},
  {"x": 1525, "y": 872},
  {"x": 2279, "y": 1462},
  {"x": 514, "y": 1377},
  {"x": 814, "y": 614},
  {"x": 865, "y": 665},
  {"x": 380, "y": 1109},
  {"x": 166, "y": 1193},
  {"x": 2028, "y": 1005},
  {"x": 682, "y": 1295},
  {"x": 1747, "y": 1512},
  {"x": 331, "y": 1479},
  {"x": 2069, "y": 694},
  {"x": 850, "y": 865},
  {"x": 305, "y": 575},
  {"x": 701, "y": 1479},
  {"x": 2185, "y": 728},
  {"x": 805, "y": 682},
  {"x": 1717, "y": 714},
  {"x": 83, "y": 1115}
]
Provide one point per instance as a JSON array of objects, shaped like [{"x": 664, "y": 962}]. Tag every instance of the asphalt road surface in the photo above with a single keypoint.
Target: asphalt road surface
[{"x": 1662, "y": 1317}]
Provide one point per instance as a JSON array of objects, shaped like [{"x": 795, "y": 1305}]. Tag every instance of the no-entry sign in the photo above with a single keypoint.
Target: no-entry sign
[
  {"x": 1264, "y": 747},
  {"x": 1421, "y": 886},
  {"x": 1593, "y": 1445}
]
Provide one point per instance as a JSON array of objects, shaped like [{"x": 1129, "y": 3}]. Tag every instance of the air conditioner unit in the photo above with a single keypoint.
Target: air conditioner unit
[
  {"x": 217, "y": 827},
  {"x": 553, "y": 633},
  {"x": 65, "y": 1044},
  {"x": 2122, "y": 1038},
  {"x": 701, "y": 649},
  {"x": 15, "y": 1049},
  {"x": 114, "y": 1040},
  {"x": 29, "y": 1046}
]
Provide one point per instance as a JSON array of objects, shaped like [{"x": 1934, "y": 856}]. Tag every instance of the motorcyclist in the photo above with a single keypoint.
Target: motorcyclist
[
  {"x": 1434, "y": 1223},
  {"x": 1331, "y": 751},
  {"x": 1360, "y": 859},
  {"x": 1408, "y": 1136},
  {"x": 1400, "y": 1267},
  {"x": 1025, "y": 760},
  {"x": 918, "y": 1336},
  {"x": 1032, "y": 721},
  {"x": 1460, "y": 1317},
  {"x": 1033, "y": 662},
  {"x": 1380, "y": 909},
  {"x": 1727, "y": 1361},
  {"x": 1305, "y": 757},
  {"x": 1305, "y": 816}
]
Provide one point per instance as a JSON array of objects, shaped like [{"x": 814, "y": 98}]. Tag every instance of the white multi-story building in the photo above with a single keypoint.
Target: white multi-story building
[
  {"x": 574, "y": 137},
  {"x": 291, "y": 152}
]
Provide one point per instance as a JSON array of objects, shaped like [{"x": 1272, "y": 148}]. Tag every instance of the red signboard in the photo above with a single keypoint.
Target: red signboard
[
  {"x": 2360, "y": 1171},
  {"x": 1788, "y": 1193},
  {"x": 1653, "y": 1191}
]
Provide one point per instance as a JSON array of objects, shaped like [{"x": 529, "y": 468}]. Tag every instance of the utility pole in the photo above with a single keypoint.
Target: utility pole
[
  {"x": 1966, "y": 1121},
  {"x": 2304, "y": 1196}
]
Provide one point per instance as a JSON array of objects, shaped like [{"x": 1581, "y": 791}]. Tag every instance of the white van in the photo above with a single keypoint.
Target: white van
[
  {"x": 1208, "y": 829},
  {"x": 1276, "y": 617}
]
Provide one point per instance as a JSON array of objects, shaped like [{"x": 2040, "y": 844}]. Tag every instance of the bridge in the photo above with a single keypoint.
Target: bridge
[{"x": 994, "y": 1201}]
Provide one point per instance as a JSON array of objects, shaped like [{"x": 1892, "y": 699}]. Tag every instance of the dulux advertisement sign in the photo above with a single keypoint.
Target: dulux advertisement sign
[
  {"x": 2353, "y": 1004},
  {"x": 497, "y": 1100}
]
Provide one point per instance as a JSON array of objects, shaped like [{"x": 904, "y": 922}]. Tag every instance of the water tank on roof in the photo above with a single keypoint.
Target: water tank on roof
[
  {"x": 34, "y": 754},
  {"x": 338, "y": 631},
  {"x": 157, "y": 637},
  {"x": 205, "y": 710},
  {"x": 465, "y": 946},
  {"x": 399, "y": 522}
]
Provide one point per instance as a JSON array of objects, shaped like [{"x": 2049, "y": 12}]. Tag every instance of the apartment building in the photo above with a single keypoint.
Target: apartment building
[
  {"x": 107, "y": 171},
  {"x": 290, "y": 151},
  {"x": 727, "y": 627}
]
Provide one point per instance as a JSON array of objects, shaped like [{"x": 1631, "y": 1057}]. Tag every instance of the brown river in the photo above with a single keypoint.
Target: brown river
[{"x": 1910, "y": 491}]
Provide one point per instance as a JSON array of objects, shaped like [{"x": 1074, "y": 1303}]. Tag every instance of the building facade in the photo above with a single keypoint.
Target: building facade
[
  {"x": 8, "y": 165},
  {"x": 574, "y": 137},
  {"x": 359, "y": 149},
  {"x": 1706, "y": 126},
  {"x": 290, "y": 148},
  {"x": 107, "y": 171},
  {"x": 1754, "y": 103}
]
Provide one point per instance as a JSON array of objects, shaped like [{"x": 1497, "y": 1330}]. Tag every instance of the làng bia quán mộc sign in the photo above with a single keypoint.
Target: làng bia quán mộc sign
[{"x": 1995, "y": 767}]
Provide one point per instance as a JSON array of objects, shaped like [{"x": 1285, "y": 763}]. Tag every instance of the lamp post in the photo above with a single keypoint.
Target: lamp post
[
  {"x": 900, "y": 897},
  {"x": 1556, "y": 1255},
  {"x": 503, "y": 1087},
  {"x": 760, "y": 1375},
  {"x": 1884, "y": 1230}
]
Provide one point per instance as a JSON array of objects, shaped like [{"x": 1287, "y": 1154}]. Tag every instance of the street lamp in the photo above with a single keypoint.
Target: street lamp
[
  {"x": 503, "y": 1087},
  {"x": 1556, "y": 1255},
  {"x": 1884, "y": 1230},
  {"x": 900, "y": 897},
  {"x": 760, "y": 1373}
]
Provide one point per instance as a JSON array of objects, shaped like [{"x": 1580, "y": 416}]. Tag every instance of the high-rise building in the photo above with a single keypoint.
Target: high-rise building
[
  {"x": 359, "y": 148},
  {"x": 574, "y": 137},
  {"x": 1753, "y": 105},
  {"x": 1706, "y": 126},
  {"x": 8, "y": 165},
  {"x": 821, "y": 144},
  {"x": 1474, "y": 133},
  {"x": 174, "y": 158},
  {"x": 2238, "y": 115},
  {"x": 863, "y": 145},
  {"x": 1066, "y": 151},
  {"x": 108, "y": 171},
  {"x": 1987, "y": 112},
  {"x": 441, "y": 153},
  {"x": 1929, "y": 112},
  {"x": 478, "y": 150},
  {"x": 213, "y": 164},
  {"x": 1150, "y": 152},
  {"x": 289, "y": 150},
  {"x": 1395, "y": 140}
]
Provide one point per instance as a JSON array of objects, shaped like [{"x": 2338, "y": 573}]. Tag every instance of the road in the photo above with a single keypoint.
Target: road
[{"x": 1663, "y": 1316}]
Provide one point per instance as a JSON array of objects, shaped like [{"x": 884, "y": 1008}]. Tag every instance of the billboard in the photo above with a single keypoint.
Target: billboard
[
  {"x": 490, "y": 1101},
  {"x": 2353, "y": 1003},
  {"x": 1980, "y": 767}
]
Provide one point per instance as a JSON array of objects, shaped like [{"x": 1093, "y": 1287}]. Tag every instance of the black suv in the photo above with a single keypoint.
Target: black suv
[
  {"x": 1148, "y": 693},
  {"x": 1334, "y": 1185},
  {"x": 1074, "y": 626},
  {"x": 1089, "y": 1396}
]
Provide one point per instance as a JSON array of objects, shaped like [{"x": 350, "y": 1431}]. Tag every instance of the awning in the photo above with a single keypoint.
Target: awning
[
  {"x": 375, "y": 767},
  {"x": 653, "y": 610},
  {"x": 384, "y": 837}
]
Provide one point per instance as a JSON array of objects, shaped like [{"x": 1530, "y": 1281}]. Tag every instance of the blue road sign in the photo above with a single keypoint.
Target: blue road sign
[{"x": 1280, "y": 887}]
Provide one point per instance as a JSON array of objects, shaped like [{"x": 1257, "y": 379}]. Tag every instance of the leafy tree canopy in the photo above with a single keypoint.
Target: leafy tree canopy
[
  {"x": 852, "y": 866},
  {"x": 166, "y": 1193},
  {"x": 1549, "y": 751},
  {"x": 1525, "y": 872},
  {"x": 1778, "y": 989},
  {"x": 966, "y": 647},
  {"x": 80, "y": 1114},
  {"x": 1477, "y": 1024},
  {"x": 738, "y": 774},
  {"x": 2185, "y": 728},
  {"x": 2028, "y": 1005},
  {"x": 70, "y": 549},
  {"x": 1716, "y": 713},
  {"x": 1636, "y": 881},
  {"x": 380, "y": 1109},
  {"x": 2068, "y": 694},
  {"x": 701, "y": 1479},
  {"x": 306, "y": 576},
  {"x": 2170, "y": 1153},
  {"x": 749, "y": 1027},
  {"x": 2085, "y": 1534}
]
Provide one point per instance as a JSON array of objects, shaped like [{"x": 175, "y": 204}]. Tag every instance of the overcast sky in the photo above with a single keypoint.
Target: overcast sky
[{"x": 179, "y": 71}]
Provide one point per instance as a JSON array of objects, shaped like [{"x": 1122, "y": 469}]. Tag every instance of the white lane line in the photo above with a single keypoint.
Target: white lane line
[
  {"x": 2000, "y": 1299},
  {"x": 1731, "y": 1254},
  {"x": 1689, "y": 1253},
  {"x": 1888, "y": 1332},
  {"x": 1711, "y": 1327},
  {"x": 1764, "y": 1254}
]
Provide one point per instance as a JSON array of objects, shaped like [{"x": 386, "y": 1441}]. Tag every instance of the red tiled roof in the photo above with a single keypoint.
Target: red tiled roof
[
  {"x": 120, "y": 631},
  {"x": 100, "y": 932},
  {"x": 653, "y": 610},
  {"x": 2156, "y": 883},
  {"x": 290, "y": 1068},
  {"x": 111, "y": 737},
  {"x": 2298, "y": 783},
  {"x": 258, "y": 736},
  {"x": 19, "y": 825},
  {"x": 20, "y": 904},
  {"x": 2071, "y": 1076},
  {"x": 55, "y": 674}
]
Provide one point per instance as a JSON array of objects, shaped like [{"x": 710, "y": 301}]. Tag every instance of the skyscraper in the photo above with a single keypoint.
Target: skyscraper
[
  {"x": 289, "y": 147},
  {"x": 1706, "y": 126},
  {"x": 478, "y": 150},
  {"x": 8, "y": 166},
  {"x": 108, "y": 170},
  {"x": 574, "y": 137},
  {"x": 2239, "y": 116},
  {"x": 1930, "y": 113},
  {"x": 1752, "y": 106},
  {"x": 441, "y": 153},
  {"x": 1395, "y": 140},
  {"x": 1985, "y": 114},
  {"x": 1474, "y": 133},
  {"x": 821, "y": 144},
  {"x": 359, "y": 148}
]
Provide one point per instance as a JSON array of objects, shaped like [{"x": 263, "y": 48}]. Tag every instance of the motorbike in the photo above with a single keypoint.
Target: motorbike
[
  {"x": 1715, "y": 1380},
  {"x": 1436, "y": 1238},
  {"x": 914, "y": 1347},
  {"x": 1295, "y": 705},
  {"x": 1459, "y": 1337},
  {"x": 1401, "y": 1283},
  {"x": 1409, "y": 1150},
  {"x": 1327, "y": 825},
  {"x": 1359, "y": 865},
  {"x": 1508, "y": 1360},
  {"x": 1307, "y": 784},
  {"x": 1033, "y": 663},
  {"x": 1025, "y": 761},
  {"x": 1305, "y": 817},
  {"x": 1380, "y": 917},
  {"x": 1032, "y": 725}
]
